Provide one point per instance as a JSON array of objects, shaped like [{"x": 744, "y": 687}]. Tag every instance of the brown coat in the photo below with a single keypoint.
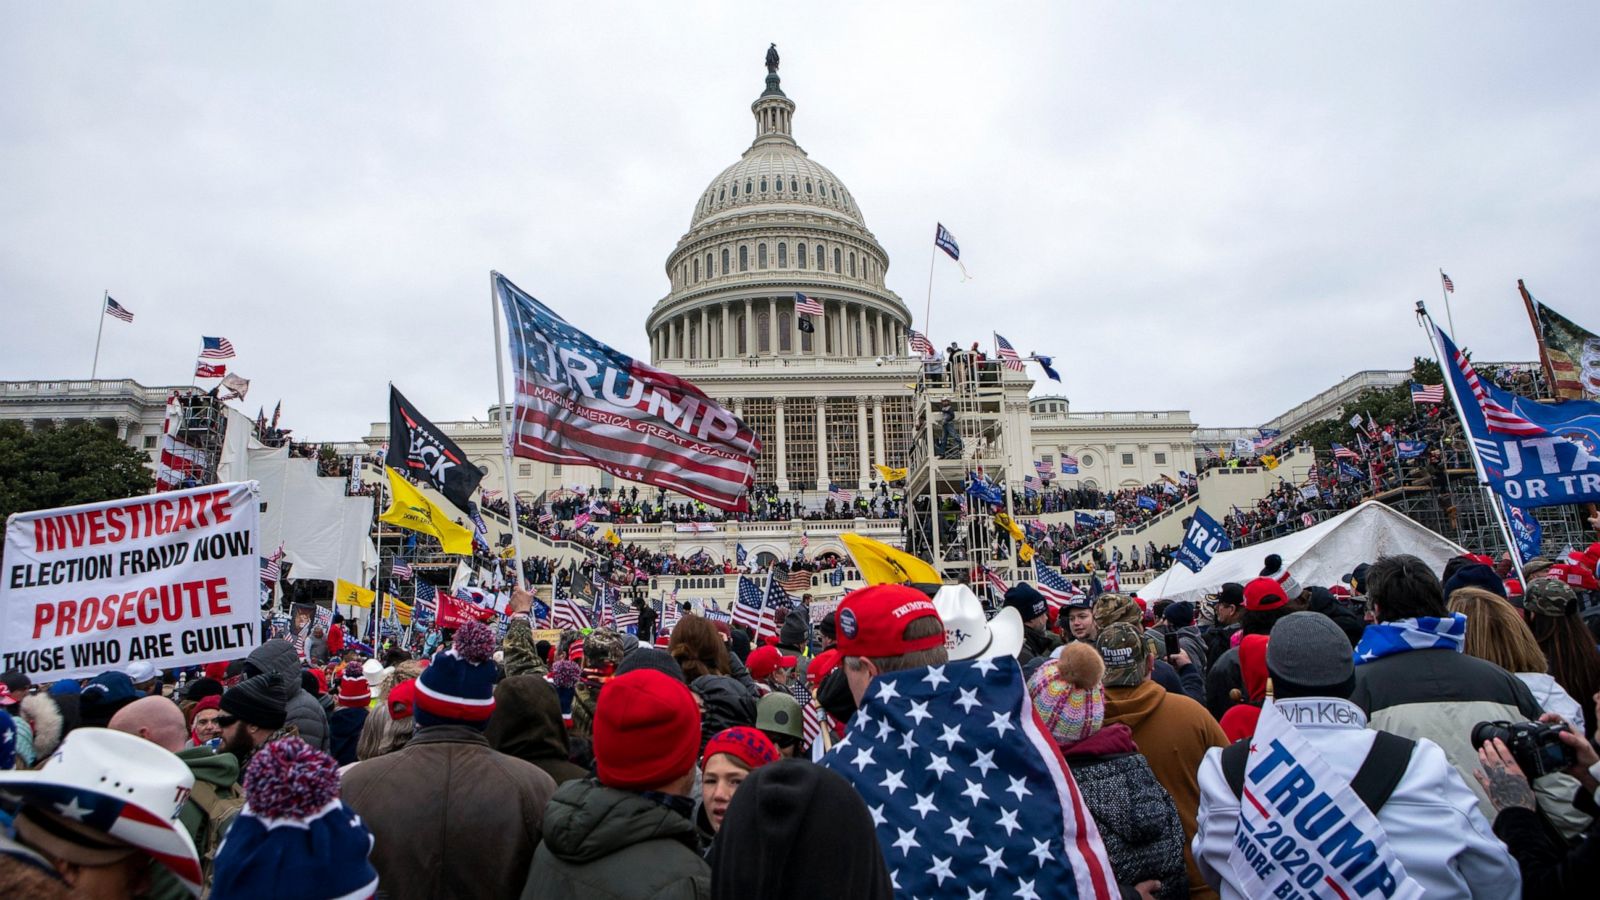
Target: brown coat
[
  {"x": 1174, "y": 733},
  {"x": 450, "y": 817}
]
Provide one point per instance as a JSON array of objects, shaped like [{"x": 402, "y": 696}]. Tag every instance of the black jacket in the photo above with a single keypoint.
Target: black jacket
[
  {"x": 602, "y": 842},
  {"x": 1549, "y": 870}
]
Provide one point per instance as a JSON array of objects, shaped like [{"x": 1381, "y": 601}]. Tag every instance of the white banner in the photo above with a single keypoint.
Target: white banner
[
  {"x": 170, "y": 579},
  {"x": 694, "y": 527}
]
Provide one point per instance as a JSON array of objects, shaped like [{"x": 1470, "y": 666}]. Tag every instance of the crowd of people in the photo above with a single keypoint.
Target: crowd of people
[{"x": 1447, "y": 714}]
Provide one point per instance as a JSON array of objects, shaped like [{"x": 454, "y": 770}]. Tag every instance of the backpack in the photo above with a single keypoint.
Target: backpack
[
  {"x": 218, "y": 809},
  {"x": 1379, "y": 775}
]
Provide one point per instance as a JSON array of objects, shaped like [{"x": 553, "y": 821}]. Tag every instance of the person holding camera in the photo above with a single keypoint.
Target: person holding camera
[{"x": 1550, "y": 868}]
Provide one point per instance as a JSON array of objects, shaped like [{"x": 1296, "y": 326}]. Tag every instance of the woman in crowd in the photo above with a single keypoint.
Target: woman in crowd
[
  {"x": 203, "y": 725},
  {"x": 1551, "y": 607},
  {"x": 1496, "y": 632},
  {"x": 698, "y": 647},
  {"x": 1136, "y": 816},
  {"x": 729, "y": 757}
]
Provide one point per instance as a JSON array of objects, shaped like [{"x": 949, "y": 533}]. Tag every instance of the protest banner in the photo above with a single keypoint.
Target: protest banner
[
  {"x": 1204, "y": 539},
  {"x": 168, "y": 579}
]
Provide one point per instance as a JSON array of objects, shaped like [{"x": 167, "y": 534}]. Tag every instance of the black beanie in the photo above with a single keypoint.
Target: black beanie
[
  {"x": 650, "y": 658},
  {"x": 201, "y": 688},
  {"x": 261, "y": 701}
]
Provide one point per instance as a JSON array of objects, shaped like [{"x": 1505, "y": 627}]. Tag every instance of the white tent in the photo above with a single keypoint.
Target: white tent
[{"x": 1319, "y": 555}]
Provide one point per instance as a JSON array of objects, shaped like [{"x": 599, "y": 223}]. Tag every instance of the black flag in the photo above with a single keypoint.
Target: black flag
[
  {"x": 805, "y": 325},
  {"x": 423, "y": 452}
]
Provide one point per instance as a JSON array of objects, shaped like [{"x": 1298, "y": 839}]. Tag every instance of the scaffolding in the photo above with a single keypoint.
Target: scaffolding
[
  {"x": 195, "y": 429},
  {"x": 958, "y": 435}
]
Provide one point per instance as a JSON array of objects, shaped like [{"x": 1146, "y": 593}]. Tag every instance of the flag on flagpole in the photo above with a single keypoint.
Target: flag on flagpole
[
  {"x": 209, "y": 370},
  {"x": 920, "y": 343},
  {"x": 944, "y": 240},
  {"x": 1449, "y": 286},
  {"x": 401, "y": 570},
  {"x": 805, "y": 306},
  {"x": 1069, "y": 464},
  {"x": 1342, "y": 452},
  {"x": 1046, "y": 363},
  {"x": 235, "y": 386},
  {"x": 749, "y": 606},
  {"x": 117, "y": 310},
  {"x": 1007, "y": 353},
  {"x": 839, "y": 494},
  {"x": 409, "y": 509},
  {"x": 1113, "y": 582},
  {"x": 1496, "y": 416},
  {"x": 1427, "y": 393},
  {"x": 215, "y": 348},
  {"x": 567, "y": 612},
  {"x": 272, "y": 566}
]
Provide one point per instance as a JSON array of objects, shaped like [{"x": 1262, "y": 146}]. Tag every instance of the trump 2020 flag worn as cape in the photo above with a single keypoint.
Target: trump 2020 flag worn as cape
[
  {"x": 966, "y": 789},
  {"x": 422, "y": 451},
  {"x": 582, "y": 403},
  {"x": 409, "y": 509}
]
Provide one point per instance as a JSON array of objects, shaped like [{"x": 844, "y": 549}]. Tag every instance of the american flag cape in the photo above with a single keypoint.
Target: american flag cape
[
  {"x": 580, "y": 402},
  {"x": 961, "y": 742}
]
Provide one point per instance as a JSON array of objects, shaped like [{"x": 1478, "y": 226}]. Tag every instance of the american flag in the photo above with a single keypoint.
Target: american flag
[
  {"x": 1113, "y": 582},
  {"x": 810, "y": 714},
  {"x": 580, "y": 520},
  {"x": 216, "y": 348},
  {"x": 840, "y": 494},
  {"x": 427, "y": 596},
  {"x": 1008, "y": 353},
  {"x": 1042, "y": 467},
  {"x": 209, "y": 370},
  {"x": 546, "y": 519},
  {"x": 566, "y": 612},
  {"x": 1342, "y": 452},
  {"x": 1055, "y": 588},
  {"x": 996, "y": 583},
  {"x": 962, "y": 740},
  {"x": 1449, "y": 286},
  {"x": 643, "y": 425},
  {"x": 920, "y": 343},
  {"x": 623, "y": 614},
  {"x": 1032, "y": 483},
  {"x": 181, "y": 464},
  {"x": 491, "y": 495},
  {"x": 113, "y": 308},
  {"x": 1069, "y": 464},
  {"x": 805, "y": 306},
  {"x": 401, "y": 570},
  {"x": 795, "y": 581},
  {"x": 1427, "y": 393},
  {"x": 670, "y": 612},
  {"x": 750, "y": 606},
  {"x": 272, "y": 566},
  {"x": 1498, "y": 419}
]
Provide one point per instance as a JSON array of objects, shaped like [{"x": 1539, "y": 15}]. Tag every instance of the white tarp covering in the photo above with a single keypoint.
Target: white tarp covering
[
  {"x": 323, "y": 533},
  {"x": 1319, "y": 555},
  {"x": 237, "y": 442}
]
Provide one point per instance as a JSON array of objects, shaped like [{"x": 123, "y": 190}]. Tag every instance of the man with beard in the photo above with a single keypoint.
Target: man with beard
[{"x": 253, "y": 713}]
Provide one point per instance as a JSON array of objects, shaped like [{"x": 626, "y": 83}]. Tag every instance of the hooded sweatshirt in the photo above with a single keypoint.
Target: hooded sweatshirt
[
  {"x": 305, "y": 713},
  {"x": 1175, "y": 732},
  {"x": 527, "y": 724},
  {"x": 798, "y": 831},
  {"x": 604, "y": 842},
  {"x": 220, "y": 771}
]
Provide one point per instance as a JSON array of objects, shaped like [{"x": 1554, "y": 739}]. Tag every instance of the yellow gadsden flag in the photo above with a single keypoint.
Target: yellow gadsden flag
[
  {"x": 882, "y": 564},
  {"x": 352, "y": 594},
  {"x": 1271, "y": 462},
  {"x": 410, "y": 510},
  {"x": 889, "y": 473},
  {"x": 1002, "y": 520}
]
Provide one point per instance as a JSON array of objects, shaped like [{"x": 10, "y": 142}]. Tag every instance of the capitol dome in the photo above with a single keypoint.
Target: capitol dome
[{"x": 773, "y": 225}]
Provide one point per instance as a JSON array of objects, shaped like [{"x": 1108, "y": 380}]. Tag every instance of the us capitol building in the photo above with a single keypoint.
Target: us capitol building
[{"x": 827, "y": 402}]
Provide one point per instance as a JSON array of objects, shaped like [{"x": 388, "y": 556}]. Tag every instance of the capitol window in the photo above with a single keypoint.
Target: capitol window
[
  {"x": 749, "y": 187},
  {"x": 724, "y": 260},
  {"x": 763, "y": 332},
  {"x": 763, "y": 185},
  {"x": 1161, "y": 459},
  {"x": 722, "y": 194},
  {"x": 710, "y": 269},
  {"x": 736, "y": 189},
  {"x": 761, "y": 256},
  {"x": 785, "y": 329},
  {"x": 837, "y": 258},
  {"x": 801, "y": 255},
  {"x": 744, "y": 258},
  {"x": 697, "y": 270},
  {"x": 1087, "y": 460},
  {"x": 808, "y": 185},
  {"x": 794, "y": 186},
  {"x": 783, "y": 255},
  {"x": 822, "y": 259},
  {"x": 1127, "y": 459},
  {"x": 852, "y": 266}
]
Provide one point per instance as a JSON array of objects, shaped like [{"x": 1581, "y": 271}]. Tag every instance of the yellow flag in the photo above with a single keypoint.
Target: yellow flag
[
  {"x": 352, "y": 594},
  {"x": 1025, "y": 553},
  {"x": 611, "y": 537},
  {"x": 889, "y": 473},
  {"x": 409, "y": 509},
  {"x": 1271, "y": 462},
  {"x": 1012, "y": 528},
  {"x": 397, "y": 606},
  {"x": 882, "y": 564}
]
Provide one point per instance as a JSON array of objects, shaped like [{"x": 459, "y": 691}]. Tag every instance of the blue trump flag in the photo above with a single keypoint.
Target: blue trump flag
[
  {"x": 1410, "y": 449},
  {"x": 1046, "y": 363},
  {"x": 1081, "y": 519},
  {"x": 1146, "y": 502},
  {"x": 1348, "y": 472},
  {"x": 1530, "y": 453},
  {"x": 1526, "y": 530},
  {"x": 1205, "y": 539},
  {"x": 985, "y": 490}
]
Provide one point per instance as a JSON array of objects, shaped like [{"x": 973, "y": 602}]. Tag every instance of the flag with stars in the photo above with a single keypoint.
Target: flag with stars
[
  {"x": 750, "y": 605},
  {"x": 965, "y": 788},
  {"x": 1057, "y": 591},
  {"x": 583, "y": 403}
]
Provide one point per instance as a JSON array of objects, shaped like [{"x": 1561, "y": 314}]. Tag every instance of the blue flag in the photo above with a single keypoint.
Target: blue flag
[
  {"x": 1533, "y": 454},
  {"x": 1269, "y": 434},
  {"x": 1205, "y": 539},
  {"x": 1045, "y": 363},
  {"x": 836, "y": 577},
  {"x": 1081, "y": 519},
  {"x": 740, "y": 554},
  {"x": 1348, "y": 472},
  {"x": 1410, "y": 449},
  {"x": 1146, "y": 502},
  {"x": 946, "y": 241},
  {"x": 985, "y": 491},
  {"x": 1526, "y": 530}
]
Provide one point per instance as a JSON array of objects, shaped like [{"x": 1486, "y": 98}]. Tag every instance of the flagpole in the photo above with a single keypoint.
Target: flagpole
[
  {"x": 927, "y": 312},
  {"x": 1472, "y": 445},
  {"x": 1538, "y": 337},
  {"x": 505, "y": 428},
  {"x": 100, "y": 332},
  {"x": 1448, "y": 316}
]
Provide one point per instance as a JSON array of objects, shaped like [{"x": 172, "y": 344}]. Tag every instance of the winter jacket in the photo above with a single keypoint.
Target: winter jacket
[
  {"x": 527, "y": 724},
  {"x": 344, "y": 733},
  {"x": 1349, "y": 621},
  {"x": 1174, "y": 733},
  {"x": 221, "y": 771},
  {"x": 726, "y": 704},
  {"x": 1224, "y": 678},
  {"x": 518, "y": 650},
  {"x": 1553, "y": 698},
  {"x": 1190, "y": 641},
  {"x": 449, "y": 817},
  {"x": 1219, "y": 640},
  {"x": 305, "y": 713},
  {"x": 1136, "y": 817},
  {"x": 1039, "y": 642},
  {"x": 1431, "y": 819},
  {"x": 601, "y": 842},
  {"x": 1440, "y": 695},
  {"x": 1551, "y": 871},
  {"x": 1190, "y": 682}
]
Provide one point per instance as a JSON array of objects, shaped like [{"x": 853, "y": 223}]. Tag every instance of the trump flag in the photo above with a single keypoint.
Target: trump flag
[{"x": 582, "y": 403}]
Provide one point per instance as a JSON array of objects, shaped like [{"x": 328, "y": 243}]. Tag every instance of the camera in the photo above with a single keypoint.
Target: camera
[{"x": 1535, "y": 746}]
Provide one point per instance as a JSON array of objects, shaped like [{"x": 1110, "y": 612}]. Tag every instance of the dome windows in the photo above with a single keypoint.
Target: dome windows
[
  {"x": 800, "y": 254},
  {"x": 808, "y": 185},
  {"x": 763, "y": 184},
  {"x": 783, "y": 255},
  {"x": 724, "y": 260},
  {"x": 722, "y": 193},
  {"x": 852, "y": 267},
  {"x": 794, "y": 185},
  {"x": 744, "y": 258},
  {"x": 822, "y": 259},
  {"x": 761, "y": 256},
  {"x": 736, "y": 190},
  {"x": 749, "y": 187},
  {"x": 697, "y": 270},
  {"x": 838, "y": 259}
]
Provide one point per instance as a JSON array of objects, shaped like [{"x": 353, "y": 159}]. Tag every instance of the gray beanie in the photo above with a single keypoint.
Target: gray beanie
[
  {"x": 1307, "y": 654},
  {"x": 651, "y": 658}
]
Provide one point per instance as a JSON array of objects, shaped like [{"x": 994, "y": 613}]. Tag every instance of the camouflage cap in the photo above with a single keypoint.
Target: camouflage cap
[
  {"x": 1549, "y": 597},
  {"x": 1123, "y": 648},
  {"x": 602, "y": 646},
  {"x": 1110, "y": 609}
]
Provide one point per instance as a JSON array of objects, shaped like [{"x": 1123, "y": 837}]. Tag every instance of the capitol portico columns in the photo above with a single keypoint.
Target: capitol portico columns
[
  {"x": 865, "y": 465},
  {"x": 772, "y": 324},
  {"x": 822, "y": 443},
  {"x": 877, "y": 429},
  {"x": 783, "y": 468},
  {"x": 749, "y": 328}
]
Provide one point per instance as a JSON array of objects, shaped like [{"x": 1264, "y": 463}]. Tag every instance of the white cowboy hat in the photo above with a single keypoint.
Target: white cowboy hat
[
  {"x": 967, "y": 634},
  {"x": 119, "y": 785}
]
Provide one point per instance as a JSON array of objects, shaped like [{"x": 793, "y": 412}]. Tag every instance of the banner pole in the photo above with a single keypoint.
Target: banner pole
[
  {"x": 1472, "y": 446},
  {"x": 505, "y": 428},
  {"x": 1448, "y": 316},
  {"x": 94, "y": 369},
  {"x": 927, "y": 311}
]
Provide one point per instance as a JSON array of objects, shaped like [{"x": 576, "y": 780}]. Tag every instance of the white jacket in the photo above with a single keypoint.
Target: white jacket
[
  {"x": 1432, "y": 819},
  {"x": 1554, "y": 698}
]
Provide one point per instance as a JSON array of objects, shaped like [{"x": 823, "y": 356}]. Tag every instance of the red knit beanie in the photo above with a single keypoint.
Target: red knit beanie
[
  {"x": 743, "y": 743},
  {"x": 646, "y": 730},
  {"x": 354, "y": 691}
]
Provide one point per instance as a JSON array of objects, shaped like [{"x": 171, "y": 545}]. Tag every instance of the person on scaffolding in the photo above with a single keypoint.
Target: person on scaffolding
[{"x": 947, "y": 443}]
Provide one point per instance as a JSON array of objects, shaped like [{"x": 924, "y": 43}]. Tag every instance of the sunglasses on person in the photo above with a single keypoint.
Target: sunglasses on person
[{"x": 224, "y": 720}]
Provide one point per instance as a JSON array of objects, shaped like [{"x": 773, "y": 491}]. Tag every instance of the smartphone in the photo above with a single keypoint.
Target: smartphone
[{"x": 1172, "y": 644}]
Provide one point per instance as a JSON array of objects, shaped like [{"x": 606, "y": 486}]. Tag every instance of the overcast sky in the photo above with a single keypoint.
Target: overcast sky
[{"x": 1222, "y": 207}]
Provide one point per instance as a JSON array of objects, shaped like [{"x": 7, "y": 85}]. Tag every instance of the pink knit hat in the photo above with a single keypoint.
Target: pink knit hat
[{"x": 1068, "y": 693}]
